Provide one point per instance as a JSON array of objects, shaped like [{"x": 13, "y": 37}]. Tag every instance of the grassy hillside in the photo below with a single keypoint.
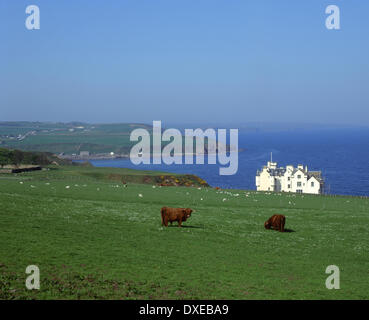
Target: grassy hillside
[
  {"x": 72, "y": 138},
  {"x": 93, "y": 238},
  {"x": 18, "y": 157},
  {"x": 68, "y": 137}
]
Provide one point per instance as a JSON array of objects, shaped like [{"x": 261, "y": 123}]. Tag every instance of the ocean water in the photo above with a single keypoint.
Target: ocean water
[{"x": 341, "y": 154}]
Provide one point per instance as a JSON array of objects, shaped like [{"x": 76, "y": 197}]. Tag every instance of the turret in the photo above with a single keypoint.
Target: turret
[{"x": 272, "y": 165}]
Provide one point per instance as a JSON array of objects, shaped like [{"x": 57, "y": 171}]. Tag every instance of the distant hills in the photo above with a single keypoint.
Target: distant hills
[
  {"x": 79, "y": 140},
  {"x": 68, "y": 138},
  {"x": 74, "y": 140}
]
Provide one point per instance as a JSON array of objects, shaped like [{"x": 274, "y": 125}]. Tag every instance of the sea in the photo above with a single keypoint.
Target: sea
[{"x": 342, "y": 155}]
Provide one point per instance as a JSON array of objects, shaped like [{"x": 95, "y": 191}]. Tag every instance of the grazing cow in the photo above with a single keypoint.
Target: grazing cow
[
  {"x": 276, "y": 222},
  {"x": 174, "y": 214}
]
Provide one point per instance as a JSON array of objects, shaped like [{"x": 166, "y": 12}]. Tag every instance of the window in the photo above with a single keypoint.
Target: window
[
  {"x": 312, "y": 183},
  {"x": 289, "y": 179},
  {"x": 299, "y": 176},
  {"x": 299, "y": 191},
  {"x": 299, "y": 184},
  {"x": 289, "y": 186}
]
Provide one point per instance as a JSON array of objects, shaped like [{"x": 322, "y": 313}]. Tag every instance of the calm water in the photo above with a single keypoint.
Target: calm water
[{"x": 342, "y": 156}]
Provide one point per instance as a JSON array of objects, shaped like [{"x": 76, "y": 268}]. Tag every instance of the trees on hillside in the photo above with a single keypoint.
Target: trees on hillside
[
  {"x": 17, "y": 157},
  {"x": 6, "y": 157}
]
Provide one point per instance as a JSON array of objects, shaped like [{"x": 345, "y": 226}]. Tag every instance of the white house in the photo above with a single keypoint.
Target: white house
[{"x": 289, "y": 179}]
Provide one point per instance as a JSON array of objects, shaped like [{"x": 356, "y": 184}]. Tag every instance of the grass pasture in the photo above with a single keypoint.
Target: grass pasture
[
  {"x": 94, "y": 239},
  {"x": 68, "y": 138}
]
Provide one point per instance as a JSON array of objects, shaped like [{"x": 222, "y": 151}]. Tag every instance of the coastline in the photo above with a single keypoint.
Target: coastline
[{"x": 107, "y": 156}]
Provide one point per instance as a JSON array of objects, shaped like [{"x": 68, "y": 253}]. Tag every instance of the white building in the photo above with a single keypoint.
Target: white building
[
  {"x": 84, "y": 153},
  {"x": 289, "y": 179}
]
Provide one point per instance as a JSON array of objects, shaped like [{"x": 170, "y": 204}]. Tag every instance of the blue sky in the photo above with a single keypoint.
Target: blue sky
[{"x": 185, "y": 60}]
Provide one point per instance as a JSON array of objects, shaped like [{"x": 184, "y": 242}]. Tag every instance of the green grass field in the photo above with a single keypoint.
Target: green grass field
[
  {"x": 57, "y": 137},
  {"x": 93, "y": 238}
]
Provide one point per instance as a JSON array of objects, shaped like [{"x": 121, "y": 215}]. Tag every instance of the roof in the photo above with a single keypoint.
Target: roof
[
  {"x": 316, "y": 174},
  {"x": 298, "y": 169},
  {"x": 273, "y": 172},
  {"x": 277, "y": 172}
]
